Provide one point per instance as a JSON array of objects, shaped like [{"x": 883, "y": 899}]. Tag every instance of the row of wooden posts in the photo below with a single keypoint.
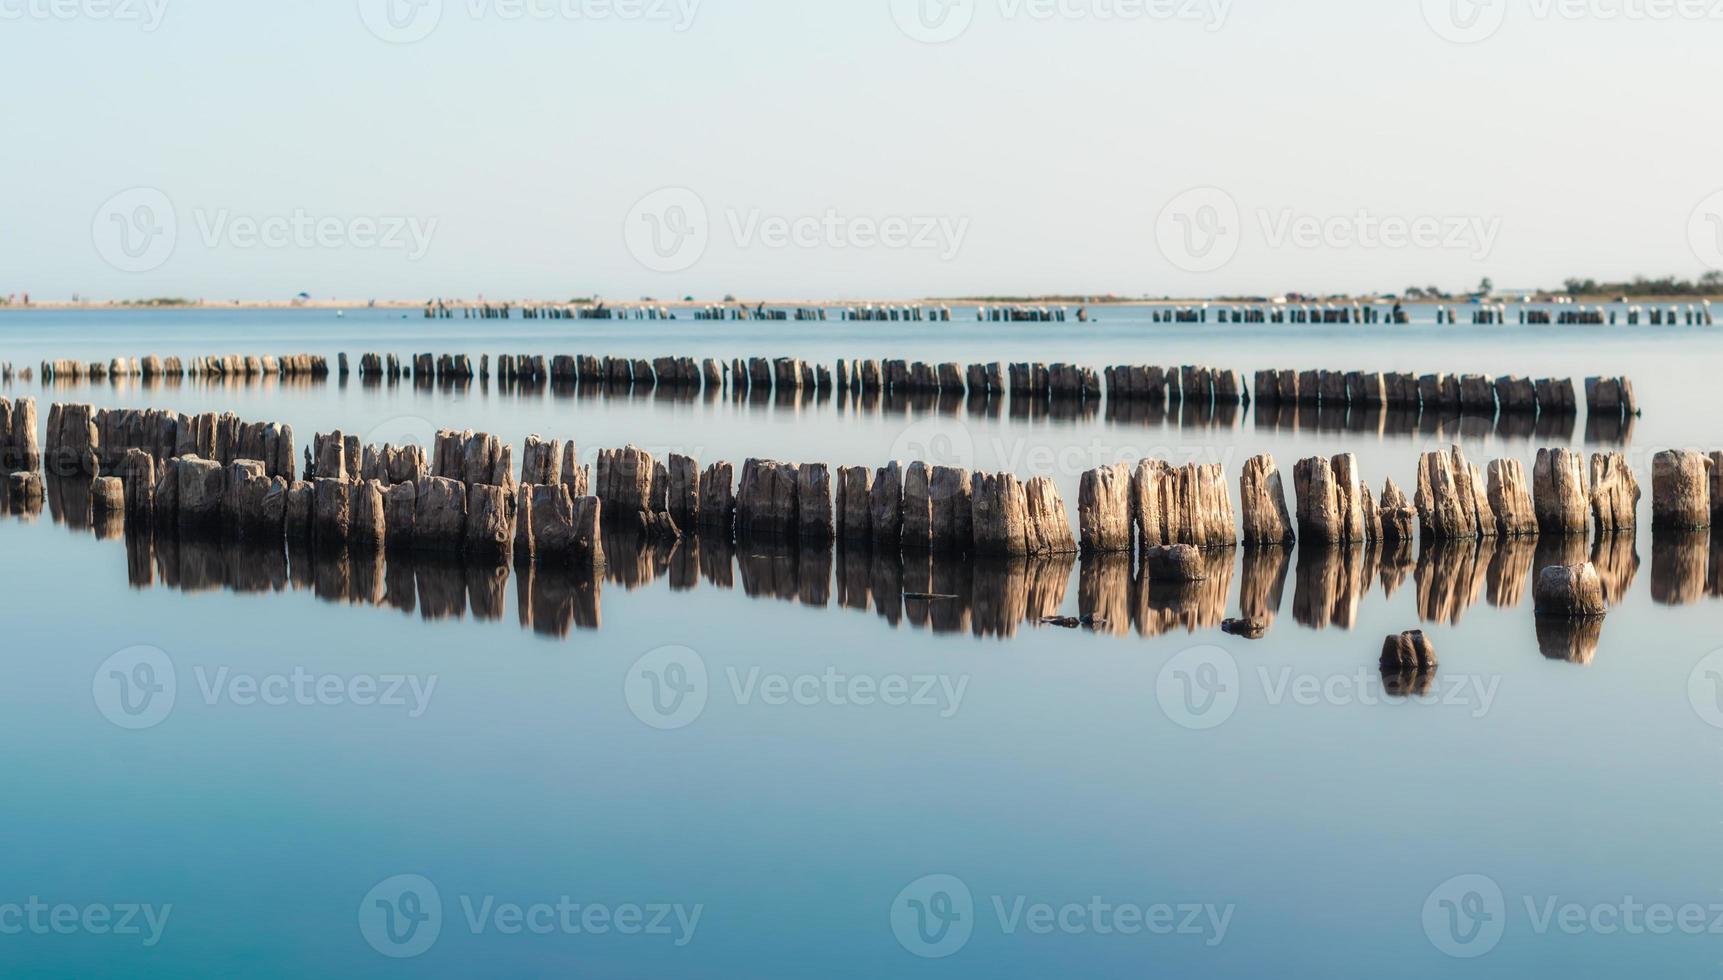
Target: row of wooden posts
[
  {"x": 1693, "y": 315},
  {"x": 244, "y": 366},
  {"x": 465, "y": 495},
  {"x": 1482, "y": 314},
  {"x": 1320, "y": 313},
  {"x": 1468, "y": 393}
]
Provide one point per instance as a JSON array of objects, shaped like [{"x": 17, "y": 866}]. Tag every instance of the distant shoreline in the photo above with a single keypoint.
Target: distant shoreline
[{"x": 331, "y": 304}]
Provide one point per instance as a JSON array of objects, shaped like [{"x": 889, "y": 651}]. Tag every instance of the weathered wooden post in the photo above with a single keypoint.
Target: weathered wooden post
[
  {"x": 885, "y": 507},
  {"x": 854, "y": 504},
  {"x": 1614, "y": 494},
  {"x": 1453, "y": 503},
  {"x": 1559, "y": 494},
  {"x": 1104, "y": 510},
  {"x": 917, "y": 508},
  {"x": 1263, "y": 501},
  {"x": 1511, "y": 499},
  {"x": 1680, "y": 490},
  {"x": 814, "y": 523},
  {"x": 683, "y": 494},
  {"x": 953, "y": 510}
]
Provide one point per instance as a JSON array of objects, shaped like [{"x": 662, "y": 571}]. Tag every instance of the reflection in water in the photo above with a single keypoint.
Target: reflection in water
[
  {"x": 1262, "y": 583},
  {"x": 945, "y": 594},
  {"x": 1451, "y": 576},
  {"x": 436, "y": 587},
  {"x": 1510, "y": 570},
  {"x": 1332, "y": 582},
  {"x": 1561, "y": 549},
  {"x": 1397, "y": 563},
  {"x": 1678, "y": 566},
  {"x": 551, "y": 601},
  {"x": 1380, "y": 420},
  {"x": 1616, "y": 556},
  {"x": 1572, "y": 640},
  {"x": 992, "y": 598},
  {"x": 1714, "y": 580},
  {"x": 1104, "y": 593},
  {"x": 1408, "y": 682},
  {"x": 1159, "y": 607},
  {"x": 68, "y": 501},
  {"x": 1435, "y": 423}
]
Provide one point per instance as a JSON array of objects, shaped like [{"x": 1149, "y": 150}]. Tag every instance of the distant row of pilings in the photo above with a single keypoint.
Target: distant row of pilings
[
  {"x": 727, "y": 312},
  {"x": 1469, "y": 393},
  {"x": 1306, "y": 313},
  {"x": 1478, "y": 314},
  {"x": 241, "y": 366}
]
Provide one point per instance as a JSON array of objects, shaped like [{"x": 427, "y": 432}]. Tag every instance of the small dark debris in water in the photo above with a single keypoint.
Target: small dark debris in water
[
  {"x": 1250, "y": 629},
  {"x": 928, "y": 596}
]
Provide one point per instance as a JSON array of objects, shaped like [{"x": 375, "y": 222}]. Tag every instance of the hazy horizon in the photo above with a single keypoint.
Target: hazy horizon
[{"x": 404, "y": 149}]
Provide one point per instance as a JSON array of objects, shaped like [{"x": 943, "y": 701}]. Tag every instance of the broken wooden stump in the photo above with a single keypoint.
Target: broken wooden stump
[
  {"x": 917, "y": 509},
  {"x": 1104, "y": 510},
  {"x": 1680, "y": 490},
  {"x": 540, "y": 461},
  {"x": 1559, "y": 496},
  {"x": 766, "y": 500},
  {"x": 717, "y": 499},
  {"x": 1001, "y": 516},
  {"x": 1511, "y": 499},
  {"x": 854, "y": 504},
  {"x": 814, "y": 517},
  {"x": 1049, "y": 527},
  {"x": 627, "y": 481},
  {"x": 1614, "y": 494},
  {"x": 1398, "y": 517},
  {"x": 953, "y": 509},
  {"x": 1570, "y": 592},
  {"x": 1182, "y": 505},
  {"x": 1263, "y": 504},
  {"x": 1452, "y": 499},
  {"x": 1410, "y": 651},
  {"x": 885, "y": 507}
]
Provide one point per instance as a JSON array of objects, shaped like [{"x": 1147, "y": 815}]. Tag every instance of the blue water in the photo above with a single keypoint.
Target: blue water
[{"x": 1117, "y": 767}]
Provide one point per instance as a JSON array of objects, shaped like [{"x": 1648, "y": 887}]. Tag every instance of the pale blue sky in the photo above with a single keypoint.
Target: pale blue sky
[{"x": 1036, "y": 154}]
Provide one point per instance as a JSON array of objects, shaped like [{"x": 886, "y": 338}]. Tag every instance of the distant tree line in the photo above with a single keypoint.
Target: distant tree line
[{"x": 1709, "y": 284}]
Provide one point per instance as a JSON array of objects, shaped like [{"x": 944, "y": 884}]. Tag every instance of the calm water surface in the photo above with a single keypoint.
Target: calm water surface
[{"x": 1297, "y": 818}]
